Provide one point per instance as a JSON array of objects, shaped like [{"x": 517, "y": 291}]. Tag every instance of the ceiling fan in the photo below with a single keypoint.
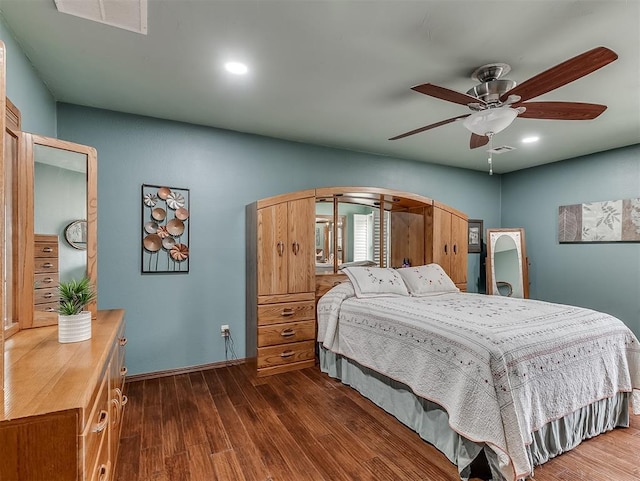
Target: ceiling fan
[{"x": 495, "y": 102}]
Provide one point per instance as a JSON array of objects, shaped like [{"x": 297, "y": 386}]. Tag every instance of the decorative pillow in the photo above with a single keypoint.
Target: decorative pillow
[
  {"x": 376, "y": 281},
  {"x": 427, "y": 280}
]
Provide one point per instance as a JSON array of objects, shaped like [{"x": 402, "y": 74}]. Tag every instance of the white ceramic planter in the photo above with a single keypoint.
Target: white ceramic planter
[{"x": 74, "y": 328}]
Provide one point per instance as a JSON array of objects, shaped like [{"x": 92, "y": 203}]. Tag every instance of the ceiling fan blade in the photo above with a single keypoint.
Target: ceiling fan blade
[
  {"x": 478, "y": 141},
  {"x": 561, "y": 110},
  {"x": 449, "y": 95},
  {"x": 562, "y": 74},
  {"x": 429, "y": 127}
]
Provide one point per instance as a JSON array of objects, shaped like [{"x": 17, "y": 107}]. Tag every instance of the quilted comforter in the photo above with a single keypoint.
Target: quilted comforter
[{"x": 501, "y": 367}]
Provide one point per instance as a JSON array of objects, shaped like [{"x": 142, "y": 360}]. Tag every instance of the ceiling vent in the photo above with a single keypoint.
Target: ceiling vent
[
  {"x": 502, "y": 149},
  {"x": 127, "y": 14}
]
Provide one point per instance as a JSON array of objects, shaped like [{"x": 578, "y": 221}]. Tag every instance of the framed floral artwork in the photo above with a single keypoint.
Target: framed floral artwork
[{"x": 165, "y": 229}]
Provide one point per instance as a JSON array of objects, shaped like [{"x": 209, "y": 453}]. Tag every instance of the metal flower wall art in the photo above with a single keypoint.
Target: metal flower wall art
[{"x": 165, "y": 229}]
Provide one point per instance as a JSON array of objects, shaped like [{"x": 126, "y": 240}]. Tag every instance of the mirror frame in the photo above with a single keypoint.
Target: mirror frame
[
  {"x": 26, "y": 220},
  {"x": 3, "y": 294},
  {"x": 517, "y": 234},
  {"x": 75, "y": 229}
]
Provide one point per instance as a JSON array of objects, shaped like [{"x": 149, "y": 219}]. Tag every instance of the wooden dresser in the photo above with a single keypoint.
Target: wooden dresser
[
  {"x": 45, "y": 280},
  {"x": 63, "y": 403}
]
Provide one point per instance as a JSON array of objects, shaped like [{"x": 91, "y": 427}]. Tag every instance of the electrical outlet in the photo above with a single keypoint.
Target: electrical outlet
[{"x": 224, "y": 330}]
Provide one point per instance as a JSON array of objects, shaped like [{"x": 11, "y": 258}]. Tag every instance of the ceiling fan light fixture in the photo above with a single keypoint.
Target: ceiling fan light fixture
[{"x": 490, "y": 121}]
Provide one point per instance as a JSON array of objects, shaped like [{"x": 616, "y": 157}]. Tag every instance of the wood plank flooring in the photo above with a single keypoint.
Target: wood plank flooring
[{"x": 225, "y": 424}]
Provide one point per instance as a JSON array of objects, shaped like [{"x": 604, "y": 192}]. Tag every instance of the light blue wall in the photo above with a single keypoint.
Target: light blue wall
[
  {"x": 26, "y": 90},
  {"x": 605, "y": 277},
  {"x": 174, "y": 320}
]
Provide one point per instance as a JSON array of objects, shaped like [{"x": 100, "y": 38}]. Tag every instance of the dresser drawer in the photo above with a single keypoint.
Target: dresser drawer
[
  {"x": 102, "y": 468},
  {"x": 43, "y": 249},
  {"x": 44, "y": 296},
  {"x": 286, "y": 354},
  {"x": 45, "y": 265},
  {"x": 285, "y": 312},
  {"x": 45, "y": 280},
  {"x": 274, "y": 334},
  {"x": 96, "y": 431}
]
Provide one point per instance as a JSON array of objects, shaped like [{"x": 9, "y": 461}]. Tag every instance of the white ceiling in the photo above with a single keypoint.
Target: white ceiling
[{"x": 338, "y": 73}]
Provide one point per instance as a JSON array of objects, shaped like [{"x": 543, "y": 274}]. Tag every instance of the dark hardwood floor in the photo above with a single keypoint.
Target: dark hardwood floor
[{"x": 227, "y": 425}]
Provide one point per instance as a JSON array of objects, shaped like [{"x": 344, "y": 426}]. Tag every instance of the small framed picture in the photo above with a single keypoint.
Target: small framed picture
[{"x": 475, "y": 236}]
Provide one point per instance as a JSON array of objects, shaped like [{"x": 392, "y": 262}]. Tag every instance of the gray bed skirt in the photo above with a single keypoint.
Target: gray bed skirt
[{"x": 431, "y": 422}]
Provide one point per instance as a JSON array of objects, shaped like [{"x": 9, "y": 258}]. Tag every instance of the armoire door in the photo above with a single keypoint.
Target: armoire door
[
  {"x": 450, "y": 245},
  {"x": 272, "y": 250},
  {"x": 442, "y": 239},
  {"x": 460, "y": 249},
  {"x": 301, "y": 219}
]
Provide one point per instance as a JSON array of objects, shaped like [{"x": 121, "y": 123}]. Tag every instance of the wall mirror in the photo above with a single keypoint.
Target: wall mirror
[
  {"x": 63, "y": 233},
  {"x": 376, "y": 227},
  {"x": 358, "y": 236},
  {"x": 326, "y": 249},
  {"x": 507, "y": 265}
]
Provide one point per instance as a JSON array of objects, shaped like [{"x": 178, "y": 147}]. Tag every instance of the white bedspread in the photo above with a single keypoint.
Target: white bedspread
[{"x": 501, "y": 367}]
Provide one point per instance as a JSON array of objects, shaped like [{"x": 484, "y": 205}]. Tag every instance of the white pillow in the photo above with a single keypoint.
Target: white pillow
[
  {"x": 376, "y": 281},
  {"x": 427, "y": 280}
]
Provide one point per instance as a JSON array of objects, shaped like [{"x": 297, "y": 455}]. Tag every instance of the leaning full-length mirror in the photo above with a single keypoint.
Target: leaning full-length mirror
[
  {"x": 63, "y": 223},
  {"x": 507, "y": 268}
]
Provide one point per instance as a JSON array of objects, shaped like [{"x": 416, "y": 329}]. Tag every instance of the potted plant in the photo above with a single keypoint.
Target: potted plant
[{"x": 74, "y": 324}]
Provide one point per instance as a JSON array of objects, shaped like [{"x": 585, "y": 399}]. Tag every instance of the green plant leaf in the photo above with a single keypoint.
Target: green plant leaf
[{"x": 75, "y": 295}]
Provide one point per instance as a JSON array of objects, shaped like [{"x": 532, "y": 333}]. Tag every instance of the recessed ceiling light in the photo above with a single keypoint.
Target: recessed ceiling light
[
  {"x": 236, "y": 68},
  {"x": 528, "y": 140}
]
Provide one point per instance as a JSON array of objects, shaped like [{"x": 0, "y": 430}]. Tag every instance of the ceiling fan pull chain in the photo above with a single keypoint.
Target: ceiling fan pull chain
[{"x": 490, "y": 135}]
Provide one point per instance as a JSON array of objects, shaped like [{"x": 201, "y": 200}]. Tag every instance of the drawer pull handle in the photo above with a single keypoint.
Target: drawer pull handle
[
  {"x": 287, "y": 353},
  {"x": 103, "y": 472},
  {"x": 103, "y": 421},
  {"x": 295, "y": 247},
  {"x": 280, "y": 248},
  {"x": 116, "y": 411},
  {"x": 123, "y": 341},
  {"x": 336, "y": 283},
  {"x": 47, "y": 249},
  {"x": 123, "y": 371},
  {"x": 125, "y": 400},
  {"x": 47, "y": 280},
  {"x": 50, "y": 309},
  {"x": 48, "y": 295},
  {"x": 288, "y": 332},
  {"x": 287, "y": 312},
  {"x": 47, "y": 265}
]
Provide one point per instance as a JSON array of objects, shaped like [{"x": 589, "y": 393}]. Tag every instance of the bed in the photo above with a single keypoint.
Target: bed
[{"x": 513, "y": 382}]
